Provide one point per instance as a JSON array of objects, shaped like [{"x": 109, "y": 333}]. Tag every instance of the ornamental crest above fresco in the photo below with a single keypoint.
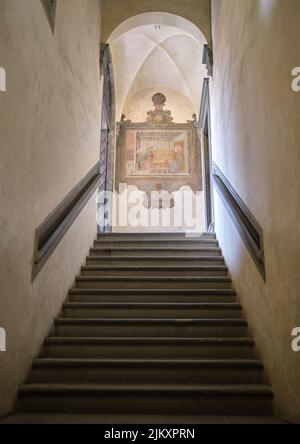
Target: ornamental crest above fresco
[{"x": 159, "y": 116}]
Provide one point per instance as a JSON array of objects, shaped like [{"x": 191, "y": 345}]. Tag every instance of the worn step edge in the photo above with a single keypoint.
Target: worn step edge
[
  {"x": 153, "y": 278},
  {"x": 155, "y": 305},
  {"x": 156, "y": 258},
  {"x": 158, "y": 249},
  {"x": 96, "y": 390},
  {"x": 149, "y": 291},
  {"x": 155, "y": 268},
  {"x": 178, "y": 322},
  {"x": 141, "y": 363},
  {"x": 158, "y": 234},
  {"x": 249, "y": 342},
  {"x": 155, "y": 239},
  {"x": 137, "y": 243}
]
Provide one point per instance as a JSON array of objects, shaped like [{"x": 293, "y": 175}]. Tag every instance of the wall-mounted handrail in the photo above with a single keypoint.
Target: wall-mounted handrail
[
  {"x": 248, "y": 227},
  {"x": 50, "y": 233}
]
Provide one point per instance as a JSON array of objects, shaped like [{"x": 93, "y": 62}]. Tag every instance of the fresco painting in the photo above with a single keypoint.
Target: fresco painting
[{"x": 157, "y": 153}]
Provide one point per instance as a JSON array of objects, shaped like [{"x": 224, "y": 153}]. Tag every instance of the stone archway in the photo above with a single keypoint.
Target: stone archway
[
  {"x": 185, "y": 75},
  {"x": 197, "y": 12},
  {"x": 158, "y": 18},
  {"x": 158, "y": 52}
]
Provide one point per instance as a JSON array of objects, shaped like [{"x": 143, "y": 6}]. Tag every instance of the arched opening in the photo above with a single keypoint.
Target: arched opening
[
  {"x": 158, "y": 50},
  {"x": 158, "y": 75}
]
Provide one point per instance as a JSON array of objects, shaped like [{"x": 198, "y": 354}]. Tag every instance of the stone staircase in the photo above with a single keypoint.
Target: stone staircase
[{"x": 152, "y": 327}]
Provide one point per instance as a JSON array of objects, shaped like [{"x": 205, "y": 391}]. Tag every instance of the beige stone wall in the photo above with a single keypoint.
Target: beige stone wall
[
  {"x": 114, "y": 12},
  {"x": 49, "y": 140},
  {"x": 256, "y": 145}
]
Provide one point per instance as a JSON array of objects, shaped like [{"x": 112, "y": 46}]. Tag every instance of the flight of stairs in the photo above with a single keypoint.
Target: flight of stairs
[{"x": 152, "y": 326}]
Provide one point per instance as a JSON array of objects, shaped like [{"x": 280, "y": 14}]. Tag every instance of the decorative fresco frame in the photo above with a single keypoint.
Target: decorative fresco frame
[
  {"x": 193, "y": 158},
  {"x": 171, "y": 155}
]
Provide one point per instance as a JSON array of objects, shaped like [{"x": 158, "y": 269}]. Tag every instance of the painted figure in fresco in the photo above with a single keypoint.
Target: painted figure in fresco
[
  {"x": 174, "y": 167},
  {"x": 180, "y": 156},
  {"x": 145, "y": 160}
]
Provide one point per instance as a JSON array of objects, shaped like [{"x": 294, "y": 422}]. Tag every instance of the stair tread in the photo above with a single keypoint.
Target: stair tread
[
  {"x": 98, "y": 389},
  {"x": 212, "y": 305},
  {"x": 210, "y": 363},
  {"x": 108, "y": 355},
  {"x": 205, "y": 291},
  {"x": 158, "y": 233},
  {"x": 142, "y": 321},
  {"x": 176, "y": 341},
  {"x": 157, "y": 248},
  {"x": 169, "y": 258},
  {"x": 157, "y": 267},
  {"x": 156, "y": 243},
  {"x": 162, "y": 240},
  {"x": 155, "y": 278}
]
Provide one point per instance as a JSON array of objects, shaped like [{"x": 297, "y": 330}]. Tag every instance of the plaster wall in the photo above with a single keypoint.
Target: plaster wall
[
  {"x": 49, "y": 139},
  {"x": 256, "y": 139}
]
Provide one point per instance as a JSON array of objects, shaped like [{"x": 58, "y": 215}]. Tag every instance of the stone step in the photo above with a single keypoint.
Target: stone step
[
  {"x": 146, "y": 348},
  {"x": 154, "y": 320},
  {"x": 156, "y": 235},
  {"x": 187, "y": 328},
  {"x": 146, "y": 371},
  {"x": 117, "y": 399},
  {"x": 147, "y": 270},
  {"x": 157, "y": 282},
  {"x": 153, "y": 295},
  {"x": 151, "y": 310},
  {"x": 163, "y": 243},
  {"x": 156, "y": 261},
  {"x": 156, "y": 250}
]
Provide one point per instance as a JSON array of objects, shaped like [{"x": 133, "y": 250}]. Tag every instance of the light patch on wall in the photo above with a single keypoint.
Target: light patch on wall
[
  {"x": 2, "y": 80},
  {"x": 266, "y": 8}
]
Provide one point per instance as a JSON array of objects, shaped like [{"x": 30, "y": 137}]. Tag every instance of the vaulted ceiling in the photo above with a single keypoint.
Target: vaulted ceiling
[{"x": 158, "y": 58}]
